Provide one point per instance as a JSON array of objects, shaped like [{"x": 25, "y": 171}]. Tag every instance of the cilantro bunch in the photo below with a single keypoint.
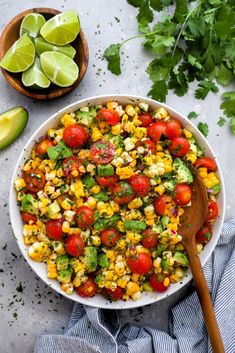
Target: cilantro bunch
[{"x": 193, "y": 40}]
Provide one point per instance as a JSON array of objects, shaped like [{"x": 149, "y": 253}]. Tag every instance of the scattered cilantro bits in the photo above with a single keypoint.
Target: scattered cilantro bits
[
  {"x": 203, "y": 127},
  {"x": 192, "y": 115},
  {"x": 221, "y": 121},
  {"x": 195, "y": 42}
]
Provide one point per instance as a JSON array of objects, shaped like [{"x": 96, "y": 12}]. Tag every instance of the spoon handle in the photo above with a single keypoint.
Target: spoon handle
[{"x": 205, "y": 299}]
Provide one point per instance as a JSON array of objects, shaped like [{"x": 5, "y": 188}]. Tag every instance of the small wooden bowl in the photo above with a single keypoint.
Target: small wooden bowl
[{"x": 11, "y": 33}]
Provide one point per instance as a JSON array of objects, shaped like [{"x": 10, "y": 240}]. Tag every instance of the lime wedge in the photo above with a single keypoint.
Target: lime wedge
[
  {"x": 59, "y": 68},
  {"x": 41, "y": 45},
  {"x": 32, "y": 24},
  {"x": 20, "y": 56},
  {"x": 62, "y": 28},
  {"x": 34, "y": 77}
]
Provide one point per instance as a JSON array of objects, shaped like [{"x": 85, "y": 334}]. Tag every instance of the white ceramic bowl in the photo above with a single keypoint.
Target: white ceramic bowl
[{"x": 40, "y": 268}]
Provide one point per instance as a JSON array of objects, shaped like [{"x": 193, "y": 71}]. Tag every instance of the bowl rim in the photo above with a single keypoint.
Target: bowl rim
[
  {"x": 59, "y": 91},
  {"x": 92, "y": 301}
]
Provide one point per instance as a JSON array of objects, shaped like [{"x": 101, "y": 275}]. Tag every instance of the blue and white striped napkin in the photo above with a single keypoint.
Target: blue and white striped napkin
[{"x": 91, "y": 330}]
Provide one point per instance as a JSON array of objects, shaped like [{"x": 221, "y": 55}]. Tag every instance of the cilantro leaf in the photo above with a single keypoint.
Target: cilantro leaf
[
  {"x": 203, "y": 127},
  {"x": 221, "y": 121},
  {"x": 225, "y": 76},
  {"x": 112, "y": 54},
  {"x": 192, "y": 115},
  {"x": 178, "y": 81},
  {"x": 228, "y": 106},
  {"x": 135, "y": 3},
  {"x": 159, "y": 91},
  {"x": 204, "y": 88},
  {"x": 232, "y": 125},
  {"x": 158, "y": 69},
  {"x": 213, "y": 56},
  {"x": 192, "y": 60},
  {"x": 156, "y": 5},
  {"x": 181, "y": 11}
]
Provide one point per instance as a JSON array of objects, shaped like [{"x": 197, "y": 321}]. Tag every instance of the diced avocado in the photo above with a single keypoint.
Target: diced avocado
[
  {"x": 181, "y": 259},
  {"x": 105, "y": 170},
  {"x": 147, "y": 287},
  {"x": 62, "y": 262},
  {"x": 157, "y": 227},
  {"x": 165, "y": 266},
  {"x": 101, "y": 196},
  {"x": 53, "y": 209},
  {"x": 85, "y": 118},
  {"x": 169, "y": 185},
  {"x": 29, "y": 204},
  {"x": 103, "y": 223},
  {"x": 60, "y": 151},
  {"x": 216, "y": 189},
  {"x": 161, "y": 248},
  {"x": 195, "y": 148},
  {"x": 183, "y": 174},
  {"x": 90, "y": 258},
  {"x": 117, "y": 140},
  {"x": 165, "y": 221},
  {"x": 64, "y": 276},
  {"x": 12, "y": 124},
  {"x": 88, "y": 181},
  {"x": 100, "y": 280},
  {"x": 103, "y": 260},
  {"x": 136, "y": 226}
]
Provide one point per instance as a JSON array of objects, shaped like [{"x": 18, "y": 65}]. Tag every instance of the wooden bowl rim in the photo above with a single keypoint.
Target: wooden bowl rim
[{"x": 58, "y": 92}]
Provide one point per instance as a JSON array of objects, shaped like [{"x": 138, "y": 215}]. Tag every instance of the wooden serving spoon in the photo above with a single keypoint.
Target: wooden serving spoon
[{"x": 191, "y": 221}]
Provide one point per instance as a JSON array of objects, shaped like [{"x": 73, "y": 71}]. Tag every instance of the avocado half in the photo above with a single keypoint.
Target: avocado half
[{"x": 12, "y": 123}]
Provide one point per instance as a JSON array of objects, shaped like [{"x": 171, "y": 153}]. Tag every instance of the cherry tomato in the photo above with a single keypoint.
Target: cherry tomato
[
  {"x": 140, "y": 263},
  {"x": 75, "y": 245},
  {"x": 109, "y": 237},
  {"x": 159, "y": 204},
  {"x": 173, "y": 129},
  {"x": 71, "y": 166},
  {"x": 213, "y": 211},
  {"x": 107, "y": 180},
  {"x": 75, "y": 136},
  {"x": 206, "y": 162},
  {"x": 149, "y": 147},
  {"x": 113, "y": 295},
  {"x": 34, "y": 180},
  {"x": 123, "y": 193},
  {"x": 85, "y": 217},
  {"x": 157, "y": 282},
  {"x": 54, "y": 229},
  {"x": 183, "y": 194},
  {"x": 204, "y": 234},
  {"x": 87, "y": 289},
  {"x": 109, "y": 116},
  {"x": 179, "y": 146},
  {"x": 42, "y": 146},
  {"x": 150, "y": 239},
  {"x": 140, "y": 184},
  {"x": 145, "y": 119},
  {"x": 102, "y": 152},
  {"x": 156, "y": 130},
  {"x": 28, "y": 217}
]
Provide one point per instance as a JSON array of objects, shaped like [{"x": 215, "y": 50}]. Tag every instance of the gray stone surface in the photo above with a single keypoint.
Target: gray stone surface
[{"x": 28, "y": 307}]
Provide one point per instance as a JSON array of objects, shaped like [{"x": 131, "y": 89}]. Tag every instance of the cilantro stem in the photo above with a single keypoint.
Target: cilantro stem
[{"x": 138, "y": 36}]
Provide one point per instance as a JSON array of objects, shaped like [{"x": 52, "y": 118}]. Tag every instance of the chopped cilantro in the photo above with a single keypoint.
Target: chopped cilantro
[
  {"x": 203, "y": 127},
  {"x": 221, "y": 121},
  {"x": 192, "y": 115}
]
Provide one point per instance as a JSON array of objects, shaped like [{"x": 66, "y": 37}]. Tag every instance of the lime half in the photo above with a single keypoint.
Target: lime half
[
  {"x": 41, "y": 45},
  {"x": 32, "y": 24},
  {"x": 34, "y": 77},
  {"x": 59, "y": 68},
  {"x": 62, "y": 28},
  {"x": 20, "y": 56}
]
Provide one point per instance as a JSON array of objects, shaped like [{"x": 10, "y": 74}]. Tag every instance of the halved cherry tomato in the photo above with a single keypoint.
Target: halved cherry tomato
[
  {"x": 140, "y": 184},
  {"x": 150, "y": 239},
  {"x": 179, "y": 146},
  {"x": 34, "y": 180},
  {"x": 54, "y": 229},
  {"x": 87, "y": 289},
  {"x": 183, "y": 194},
  {"x": 71, "y": 166},
  {"x": 148, "y": 146},
  {"x": 206, "y": 162},
  {"x": 107, "y": 180},
  {"x": 156, "y": 130},
  {"x": 157, "y": 282},
  {"x": 204, "y": 234},
  {"x": 109, "y": 116},
  {"x": 123, "y": 193},
  {"x": 145, "y": 119},
  {"x": 109, "y": 237},
  {"x": 213, "y": 211},
  {"x": 102, "y": 152},
  {"x": 159, "y": 204},
  {"x": 75, "y": 245},
  {"x": 42, "y": 146},
  {"x": 113, "y": 295},
  {"x": 140, "y": 263},
  {"x": 75, "y": 136},
  {"x": 28, "y": 217},
  {"x": 173, "y": 129},
  {"x": 85, "y": 217}
]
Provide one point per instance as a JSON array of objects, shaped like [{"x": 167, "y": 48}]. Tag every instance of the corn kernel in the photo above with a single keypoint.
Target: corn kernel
[
  {"x": 116, "y": 129},
  {"x": 67, "y": 288},
  {"x": 199, "y": 248},
  {"x": 135, "y": 277},
  {"x": 120, "y": 268},
  {"x": 187, "y": 133},
  {"x": 65, "y": 227},
  {"x": 130, "y": 110},
  {"x": 166, "y": 282},
  {"x": 132, "y": 288},
  {"x": 95, "y": 189},
  {"x": 96, "y": 240},
  {"x": 20, "y": 184},
  {"x": 96, "y": 134},
  {"x": 160, "y": 189},
  {"x": 135, "y": 203},
  {"x": 111, "y": 105}
]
